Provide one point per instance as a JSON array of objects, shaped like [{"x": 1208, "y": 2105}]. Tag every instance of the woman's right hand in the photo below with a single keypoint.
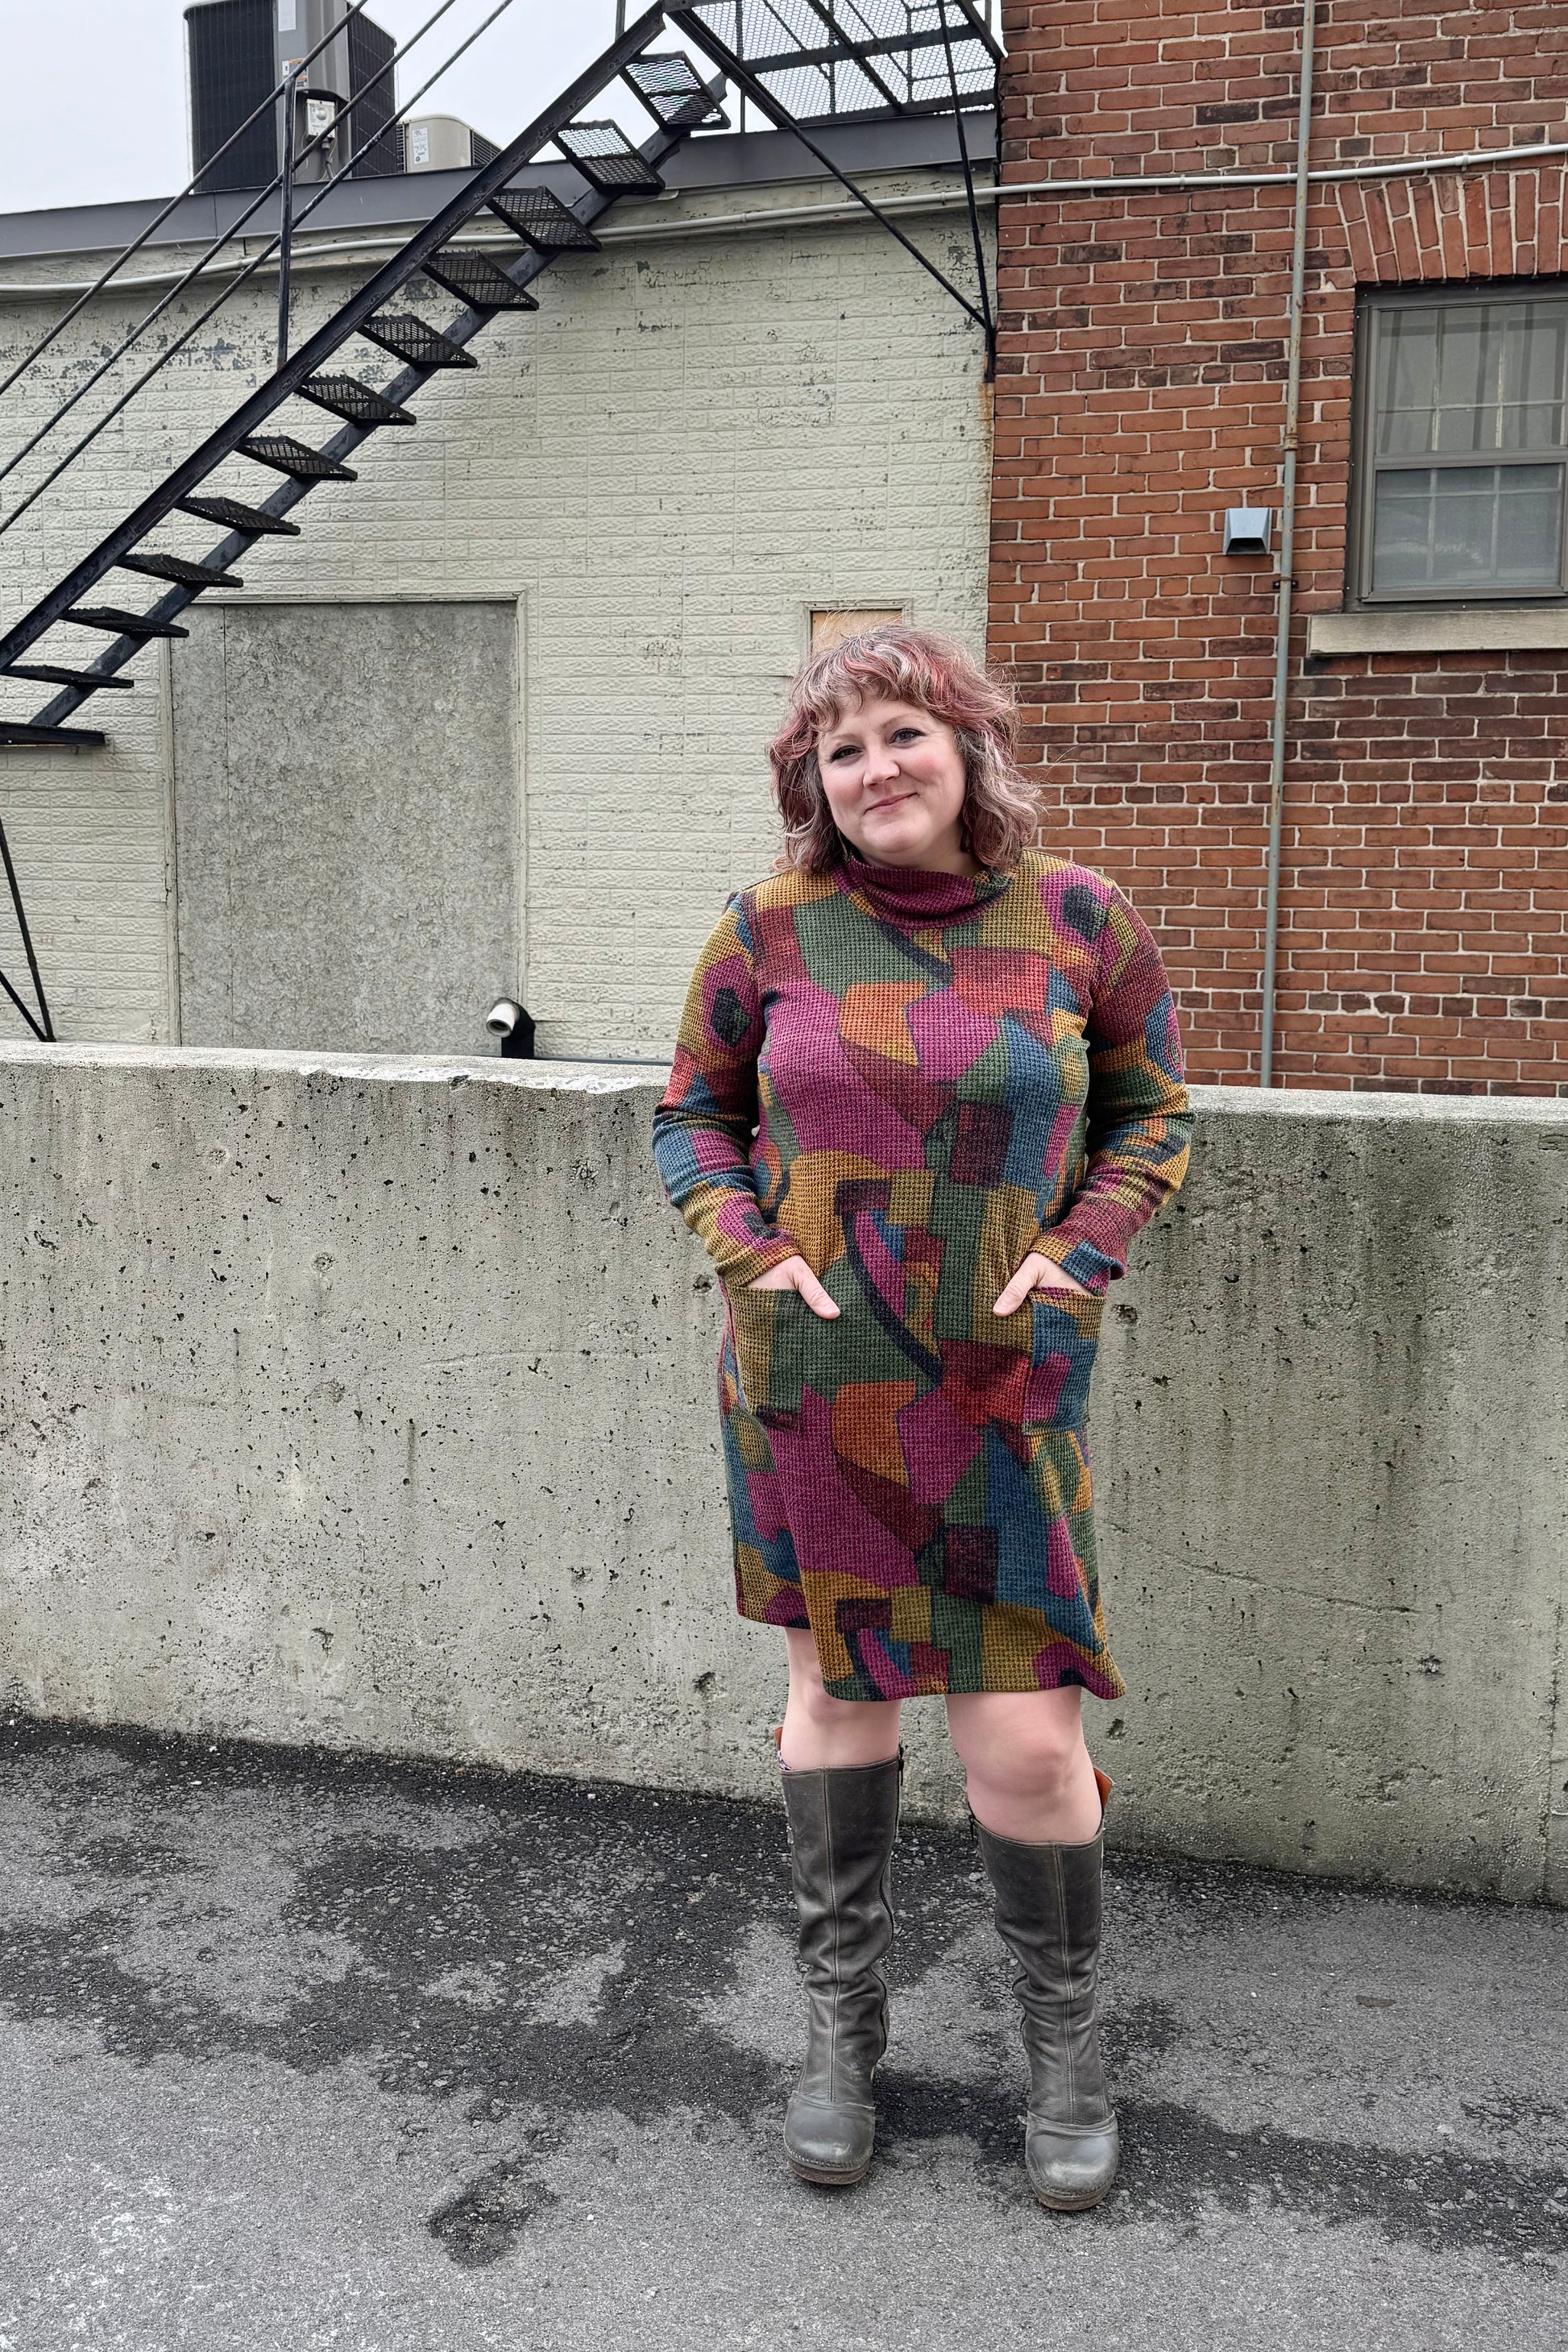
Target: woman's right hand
[{"x": 795, "y": 1274}]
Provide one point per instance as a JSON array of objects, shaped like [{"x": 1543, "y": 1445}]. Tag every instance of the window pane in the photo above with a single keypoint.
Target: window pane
[
  {"x": 1468, "y": 527},
  {"x": 1471, "y": 376}
]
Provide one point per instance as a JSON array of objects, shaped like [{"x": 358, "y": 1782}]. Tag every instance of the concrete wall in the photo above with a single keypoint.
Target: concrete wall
[
  {"x": 371, "y": 1403},
  {"x": 697, "y": 439}
]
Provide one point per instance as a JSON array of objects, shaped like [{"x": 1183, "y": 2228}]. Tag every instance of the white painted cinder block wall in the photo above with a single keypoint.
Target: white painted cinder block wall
[{"x": 694, "y": 442}]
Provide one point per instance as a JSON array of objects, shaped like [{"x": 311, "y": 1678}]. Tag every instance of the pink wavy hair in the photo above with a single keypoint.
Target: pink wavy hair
[{"x": 937, "y": 675}]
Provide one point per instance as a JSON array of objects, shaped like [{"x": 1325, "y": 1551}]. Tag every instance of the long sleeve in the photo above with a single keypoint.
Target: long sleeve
[
  {"x": 1139, "y": 1124},
  {"x": 703, "y": 1129}
]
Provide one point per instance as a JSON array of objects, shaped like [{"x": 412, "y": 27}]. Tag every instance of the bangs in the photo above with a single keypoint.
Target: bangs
[{"x": 895, "y": 663}]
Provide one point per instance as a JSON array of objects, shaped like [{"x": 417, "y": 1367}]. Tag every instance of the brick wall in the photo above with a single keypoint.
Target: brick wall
[{"x": 1141, "y": 392}]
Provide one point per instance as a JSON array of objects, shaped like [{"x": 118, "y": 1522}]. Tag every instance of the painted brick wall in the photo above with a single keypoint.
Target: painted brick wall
[
  {"x": 1141, "y": 392},
  {"x": 692, "y": 445}
]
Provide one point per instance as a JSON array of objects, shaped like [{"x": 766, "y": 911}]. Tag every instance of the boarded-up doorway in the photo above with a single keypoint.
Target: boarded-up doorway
[{"x": 347, "y": 825}]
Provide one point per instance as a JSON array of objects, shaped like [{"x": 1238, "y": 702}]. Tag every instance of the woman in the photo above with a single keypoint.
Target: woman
[{"x": 927, "y": 1088}]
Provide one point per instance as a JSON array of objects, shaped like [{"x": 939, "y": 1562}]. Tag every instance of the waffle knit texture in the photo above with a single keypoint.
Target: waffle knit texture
[{"x": 912, "y": 1080}]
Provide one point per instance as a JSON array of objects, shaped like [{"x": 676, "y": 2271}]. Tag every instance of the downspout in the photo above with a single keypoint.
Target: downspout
[{"x": 1283, "y": 580}]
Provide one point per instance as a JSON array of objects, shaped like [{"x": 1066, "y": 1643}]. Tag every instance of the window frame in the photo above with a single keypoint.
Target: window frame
[{"x": 1374, "y": 303}]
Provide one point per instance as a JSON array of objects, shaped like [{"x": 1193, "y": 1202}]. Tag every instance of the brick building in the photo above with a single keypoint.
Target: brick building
[{"x": 1141, "y": 392}]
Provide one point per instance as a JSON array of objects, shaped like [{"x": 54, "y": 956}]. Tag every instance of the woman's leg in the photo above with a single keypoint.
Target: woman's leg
[
  {"x": 1028, "y": 1770},
  {"x": 823, "y": 1734},
  {"x": 841, "y": 1795},
  {"x": 1033, "y": 1792}
]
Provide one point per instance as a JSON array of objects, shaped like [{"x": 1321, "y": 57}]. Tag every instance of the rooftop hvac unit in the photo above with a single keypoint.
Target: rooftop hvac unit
[
  {"x": 240, "y": 51},
  {"x": 232, "y": 52},
  {"x": 439, "y": 142},
  {"x": 369, "y": 118}
]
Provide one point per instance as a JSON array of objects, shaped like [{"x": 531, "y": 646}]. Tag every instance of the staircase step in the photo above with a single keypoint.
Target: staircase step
[
  {"x": 346, "y": 396},
  {"x": 411, "y": 339},
  {"x": 121, "y": 625},
  {"x": 49, "y": 739},
  {"x": 476, "y": 280},
  {"x": 539, "y": 216},
  {"x": 290, "y": 457},
  {"x": 675, "y": 93},
  {"x": 183, "y": 574},
  {"x": 49, "y": 674},
  {"x": 606, "y": 158},
  {"x": 235, "y": 516}
]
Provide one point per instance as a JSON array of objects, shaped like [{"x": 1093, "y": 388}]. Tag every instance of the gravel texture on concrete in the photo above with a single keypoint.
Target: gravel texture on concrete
[{"x": 304, "y": 2054}]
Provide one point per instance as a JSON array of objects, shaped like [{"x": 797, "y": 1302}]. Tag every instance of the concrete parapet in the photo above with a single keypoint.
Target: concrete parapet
[{"x": 369, "y": 1403}]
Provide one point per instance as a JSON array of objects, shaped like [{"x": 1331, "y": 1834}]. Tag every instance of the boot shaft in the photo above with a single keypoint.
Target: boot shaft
[
  {"x": 1048, "y": 1916},
  {"x": 842, "y": 1827}
]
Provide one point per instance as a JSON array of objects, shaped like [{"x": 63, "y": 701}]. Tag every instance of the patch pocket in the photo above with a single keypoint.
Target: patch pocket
[
  {"x": 1063, "y": 1345},
  {"x": 767, "y": 1333}
]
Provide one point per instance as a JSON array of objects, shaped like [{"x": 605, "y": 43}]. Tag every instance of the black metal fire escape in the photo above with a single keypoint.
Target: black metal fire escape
[{"x": 801, "y": 63}]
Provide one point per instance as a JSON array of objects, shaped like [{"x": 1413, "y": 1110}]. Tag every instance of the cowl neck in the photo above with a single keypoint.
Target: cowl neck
[{"x": 912, "y": 894}]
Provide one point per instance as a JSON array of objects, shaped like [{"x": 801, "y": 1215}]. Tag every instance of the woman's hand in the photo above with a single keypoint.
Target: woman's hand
[
  {"x": 1037, "y": 1273},
  {"x": 796, "y": 1275}
]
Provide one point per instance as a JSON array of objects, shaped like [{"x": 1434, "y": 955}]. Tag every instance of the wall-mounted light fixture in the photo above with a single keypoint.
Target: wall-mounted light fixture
[{"x": 1247, "y": 530}]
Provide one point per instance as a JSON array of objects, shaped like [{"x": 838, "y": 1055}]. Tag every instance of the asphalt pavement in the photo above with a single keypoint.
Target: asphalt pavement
[{"x": 302, "y": 2054}]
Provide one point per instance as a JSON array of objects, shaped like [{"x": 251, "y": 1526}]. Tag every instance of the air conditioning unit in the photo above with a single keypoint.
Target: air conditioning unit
[
  {"x": 240, "y": 51},
  {"x": 439, "y": 142}
]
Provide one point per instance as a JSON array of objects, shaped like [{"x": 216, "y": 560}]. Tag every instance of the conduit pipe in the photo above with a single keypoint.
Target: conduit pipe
[
  {"x": 343, "y": 254},
  {"x": 1283, "y": 579}
]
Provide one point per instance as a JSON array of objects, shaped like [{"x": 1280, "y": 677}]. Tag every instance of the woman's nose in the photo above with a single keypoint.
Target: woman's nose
[{"x": 880, "y": 764}]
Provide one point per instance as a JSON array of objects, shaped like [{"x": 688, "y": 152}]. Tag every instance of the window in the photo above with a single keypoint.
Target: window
[
  {"x": 831, "y": 628},
  {"x": 1462, "y": 448}
]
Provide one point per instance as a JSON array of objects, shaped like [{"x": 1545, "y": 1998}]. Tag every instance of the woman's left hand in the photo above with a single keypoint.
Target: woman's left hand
[{"x": 1037, "y": 1273}]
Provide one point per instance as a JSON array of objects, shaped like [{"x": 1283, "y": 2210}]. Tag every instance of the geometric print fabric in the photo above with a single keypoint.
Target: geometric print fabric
[{"x": 913, "y": 1080}]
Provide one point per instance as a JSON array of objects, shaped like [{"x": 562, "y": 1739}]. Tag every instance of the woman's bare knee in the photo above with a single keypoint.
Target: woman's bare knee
[
  {"x": 820, "y": 1730},
  {"x": 1025, "y": 1762}
]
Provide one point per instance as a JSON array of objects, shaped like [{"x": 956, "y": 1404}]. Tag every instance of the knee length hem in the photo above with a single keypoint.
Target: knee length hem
[{"x": 912, "y": 1080}]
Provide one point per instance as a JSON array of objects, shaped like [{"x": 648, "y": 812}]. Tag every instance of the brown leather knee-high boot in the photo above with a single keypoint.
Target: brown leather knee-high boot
[
  {"x": 1047, "y": 1914},
  {"x": 842, "y": 1824}
]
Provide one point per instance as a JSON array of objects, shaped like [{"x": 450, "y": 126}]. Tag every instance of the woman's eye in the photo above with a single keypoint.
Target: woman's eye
[
  {"x": 906, "y": 735},
  {"x": 844, "y": 752}
]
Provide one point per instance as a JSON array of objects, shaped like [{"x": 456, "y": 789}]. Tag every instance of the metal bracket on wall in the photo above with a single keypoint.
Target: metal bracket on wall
[{"x": 759, "y": 77}]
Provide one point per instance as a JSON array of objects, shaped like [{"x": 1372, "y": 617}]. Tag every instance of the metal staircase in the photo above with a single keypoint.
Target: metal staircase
[{"x": 884, "y": 56}]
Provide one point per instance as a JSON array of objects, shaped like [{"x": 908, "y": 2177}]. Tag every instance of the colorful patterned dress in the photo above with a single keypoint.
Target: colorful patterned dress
[{"x": 913, "y": 1079}]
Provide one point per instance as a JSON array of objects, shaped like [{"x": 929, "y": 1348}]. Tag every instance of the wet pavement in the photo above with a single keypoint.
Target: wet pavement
[{"x": 300, "y": 2053}]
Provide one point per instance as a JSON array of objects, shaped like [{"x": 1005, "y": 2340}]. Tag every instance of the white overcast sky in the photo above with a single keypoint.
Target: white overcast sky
[{"x": 97, "y": 109}]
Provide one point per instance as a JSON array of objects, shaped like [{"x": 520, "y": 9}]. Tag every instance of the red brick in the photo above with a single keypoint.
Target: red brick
[{"x": 1424, "y": 935}]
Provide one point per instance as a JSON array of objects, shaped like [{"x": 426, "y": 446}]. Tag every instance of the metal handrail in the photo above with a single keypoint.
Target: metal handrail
[
  {"x": 241, "y": 277},
  {"x": 197, "y": 267},
  {"x": 189, "y": 189},
  {"x": 345, "y": 322}
]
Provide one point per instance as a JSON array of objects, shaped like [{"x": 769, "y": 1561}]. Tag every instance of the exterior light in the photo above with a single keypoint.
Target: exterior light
[{"x": 1247, "y": 530}]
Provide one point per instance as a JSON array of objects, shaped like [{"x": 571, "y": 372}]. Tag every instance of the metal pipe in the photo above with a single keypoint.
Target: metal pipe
[
  {"x": 249, "y": 270},
  {"x": 683, "y": 15},
  {"x": 787, "y": 215},
  {"x": 189, "y": 187},
  {"x": 46, "y": 1032},
  {"x": 286, "y": 215},
  {"x": 980, "y": 269},
  {"x": 1284, "y": 582},
  {"x": 1396, "y": 167},
  {"x": 320, "y": 347}
]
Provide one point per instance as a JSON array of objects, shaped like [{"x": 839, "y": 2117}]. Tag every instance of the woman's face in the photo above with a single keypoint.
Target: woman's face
[{"x": 894, "y": 780}]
